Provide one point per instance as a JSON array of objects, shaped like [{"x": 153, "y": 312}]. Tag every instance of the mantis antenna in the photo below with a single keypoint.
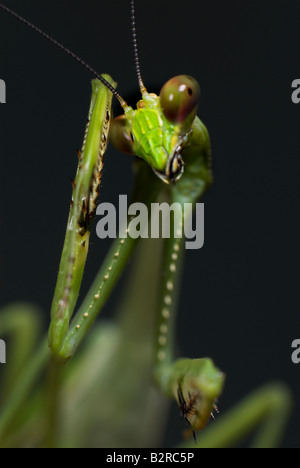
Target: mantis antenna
[
  {"x": 135, "y": 48},
  {"x": 68, "y": 52}
]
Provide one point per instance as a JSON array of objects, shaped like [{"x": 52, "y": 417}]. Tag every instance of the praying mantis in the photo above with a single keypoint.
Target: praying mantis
[{"x": 182, "y": 175}]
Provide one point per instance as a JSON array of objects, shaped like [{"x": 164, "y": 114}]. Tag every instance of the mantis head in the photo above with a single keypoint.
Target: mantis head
[{"x": 159, "y": 128}]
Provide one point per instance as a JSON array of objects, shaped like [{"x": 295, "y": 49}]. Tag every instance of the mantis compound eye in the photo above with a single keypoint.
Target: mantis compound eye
[
  {"x": 179, "y": 99},
  {"x": 121, "y": 136}
]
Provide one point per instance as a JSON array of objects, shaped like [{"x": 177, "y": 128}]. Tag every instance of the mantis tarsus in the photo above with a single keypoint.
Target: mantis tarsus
[{"x": 195, "y": 384}]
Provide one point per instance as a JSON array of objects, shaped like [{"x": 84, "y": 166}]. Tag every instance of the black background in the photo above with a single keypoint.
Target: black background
[{"x": 239, "y": 302}]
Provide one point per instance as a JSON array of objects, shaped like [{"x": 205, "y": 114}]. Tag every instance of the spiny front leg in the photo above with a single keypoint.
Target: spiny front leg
[
  {"x": 82, "y": 211},
  {"x": 145, "y": 191},
  {"x": 195, "y": 384}
]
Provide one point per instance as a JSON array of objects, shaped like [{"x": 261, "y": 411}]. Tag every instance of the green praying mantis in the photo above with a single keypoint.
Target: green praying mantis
[{"x": 173, "y": 166}]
